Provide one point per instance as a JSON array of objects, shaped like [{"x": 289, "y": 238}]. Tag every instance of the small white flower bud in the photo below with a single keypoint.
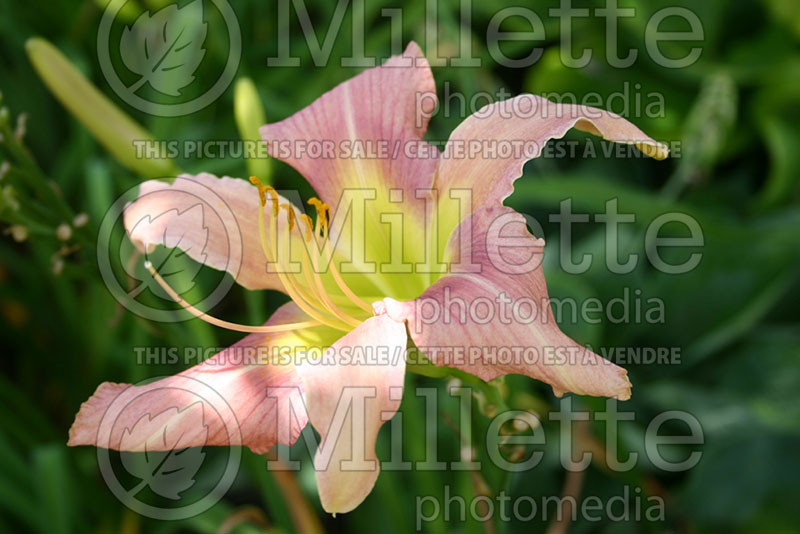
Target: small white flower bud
[
  {"x": 18, "y": 232},
  {"x": 21, "y": 129},
  {"x": 520, "y": 425},
  {"x": 8, "y": 198},
  {"x": 80, "y": 220},
  {"x": 58, "y": 266},
  {"x": 63, "y": 232}
]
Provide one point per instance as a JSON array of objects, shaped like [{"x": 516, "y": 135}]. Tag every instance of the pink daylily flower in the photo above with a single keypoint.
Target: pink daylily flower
[{"x": 368, "y": 284}]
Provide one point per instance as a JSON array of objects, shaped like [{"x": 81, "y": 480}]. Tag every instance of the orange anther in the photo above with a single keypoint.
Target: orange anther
[
  {"x": 262, "y": 197},
  {"x": 289, "y": 214},
  {"x": 309, "y": 226},
  {"x": 273, "y": 195}
]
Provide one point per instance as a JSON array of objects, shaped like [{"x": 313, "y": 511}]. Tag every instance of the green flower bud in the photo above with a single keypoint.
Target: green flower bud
[
  {"x": 249, "y": 114},
  {"x": 129, "y": 11},
  {"x": 109, "y": 125}
]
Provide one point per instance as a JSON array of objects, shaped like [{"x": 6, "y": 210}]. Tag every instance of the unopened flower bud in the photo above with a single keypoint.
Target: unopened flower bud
[
  {"x": 80, "y": 220},
  {"x": 58, "y": 266},
  {"x": 18, "y": 232},
  {"x": 485, "y": 406},
  {"x": 249, "y": 114},
  {"x": 520, "y": 425},
  {"x": 111, "y": 126},
  {"x": 22, "y": 128},
  {"x": 63, "y": 232},
  {"x": 8, "y": 199}
]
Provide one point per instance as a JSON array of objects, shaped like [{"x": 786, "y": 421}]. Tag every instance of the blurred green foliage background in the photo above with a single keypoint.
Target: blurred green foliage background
[{"x": 736, "y": 113}]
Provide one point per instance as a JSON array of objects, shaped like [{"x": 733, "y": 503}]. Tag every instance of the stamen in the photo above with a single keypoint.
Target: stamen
[
  {"x": 309, "y": 303},
  {"x": 264, "y": 190},
  {"x": 308, "y": 227},
  {"x": 323, "y": 212},
  {"x": 219, "y": 322},
  {"x": 289, "y": 215},
  {"x": 274, "y": 196},
  {"x": 308, "y": 272},
  {"x": 288, "y": 284},
  {"x": 256, "y": 182},
  {"x": 341, "y": 283},
  {"x": 314, "y": 279},
  {"x": 325, "y": 223}
]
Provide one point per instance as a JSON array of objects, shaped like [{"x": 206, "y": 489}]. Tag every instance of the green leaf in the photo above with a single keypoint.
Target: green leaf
[
  {"x": 782, "y": 139},
  {"x": 55, "y": 495}
]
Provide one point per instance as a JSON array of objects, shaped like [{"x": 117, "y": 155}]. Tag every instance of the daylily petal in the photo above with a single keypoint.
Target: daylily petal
[
  {"x": 478, "y": 333},
  {"x": 487, "y": 151},
  {"x": 213, "y": 220},
  {"x": 384, "y": 110},
  {"x": 390, "y": 105},
  {"x": 236, "y": 397},
  {"x": 376, "y": 386}
]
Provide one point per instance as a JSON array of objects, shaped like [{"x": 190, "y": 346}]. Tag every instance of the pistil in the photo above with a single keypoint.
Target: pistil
[{"x": 219, "y": 322}]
